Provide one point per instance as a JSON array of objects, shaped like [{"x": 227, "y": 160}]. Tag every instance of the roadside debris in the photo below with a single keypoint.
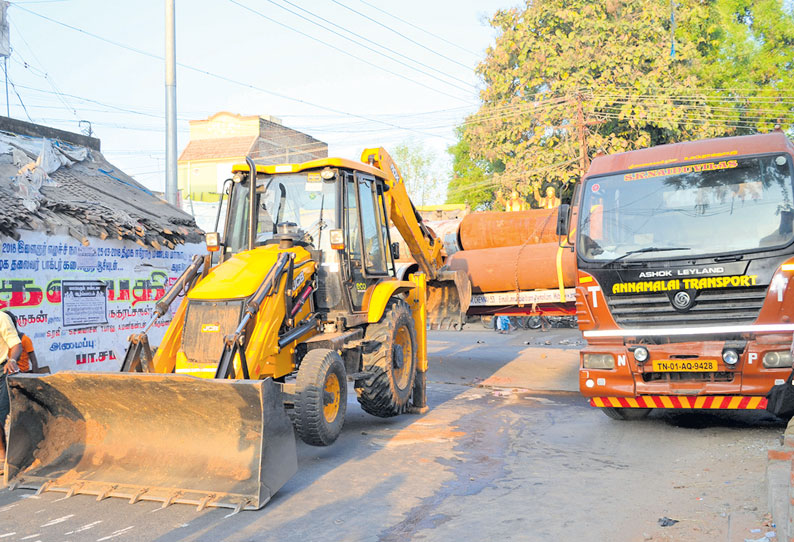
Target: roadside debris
[{"x": 666, "y": 522}]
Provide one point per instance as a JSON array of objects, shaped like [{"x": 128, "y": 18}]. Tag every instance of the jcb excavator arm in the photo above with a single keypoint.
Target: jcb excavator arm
[{"x": 446, "y": 306}]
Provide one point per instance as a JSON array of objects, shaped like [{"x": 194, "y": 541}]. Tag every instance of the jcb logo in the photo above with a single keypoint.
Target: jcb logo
[
  {"x": 210, "y": 328},
  {"x": 361, "y": 286}
]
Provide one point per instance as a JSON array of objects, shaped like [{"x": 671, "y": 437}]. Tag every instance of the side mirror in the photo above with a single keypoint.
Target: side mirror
[
  {"x": 395, "y": 251},
  {"x": 563, "y": 218}
]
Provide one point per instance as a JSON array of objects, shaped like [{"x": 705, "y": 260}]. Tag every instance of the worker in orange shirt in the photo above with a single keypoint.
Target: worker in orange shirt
[
  {"x": 27, "y": 361},
  {"x": 10, "y": 350}
]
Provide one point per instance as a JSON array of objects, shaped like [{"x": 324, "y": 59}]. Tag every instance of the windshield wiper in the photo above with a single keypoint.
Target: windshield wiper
[{"x": 642, "y": 250}]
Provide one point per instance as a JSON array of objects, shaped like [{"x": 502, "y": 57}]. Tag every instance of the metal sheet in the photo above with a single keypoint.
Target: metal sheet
[{"x": 168, "y": 438}]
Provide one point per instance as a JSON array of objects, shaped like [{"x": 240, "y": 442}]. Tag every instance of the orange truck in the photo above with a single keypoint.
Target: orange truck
[{"x": 684, "y": 290}]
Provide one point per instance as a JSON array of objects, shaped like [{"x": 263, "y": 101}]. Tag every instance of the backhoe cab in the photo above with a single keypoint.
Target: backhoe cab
[{"x": 301, "y": 297}]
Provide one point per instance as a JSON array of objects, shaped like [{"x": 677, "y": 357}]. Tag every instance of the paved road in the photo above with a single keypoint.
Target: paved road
[{"x": 509, "y": 451}]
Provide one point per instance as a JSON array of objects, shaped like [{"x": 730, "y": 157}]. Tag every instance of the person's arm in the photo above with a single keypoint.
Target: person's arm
[
  {"x": 11, "y": 366},
  {"x": 34, "y": 363},
  {"x": 537, "y": 194}
]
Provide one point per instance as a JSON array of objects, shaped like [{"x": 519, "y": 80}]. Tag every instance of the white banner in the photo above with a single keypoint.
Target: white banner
[
  {"x": 80, "y": 304},
  {"x": 527, "y": 297}
]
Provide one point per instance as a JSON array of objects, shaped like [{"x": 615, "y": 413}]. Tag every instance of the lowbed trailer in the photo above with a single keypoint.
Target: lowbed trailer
[{"x": 684, "y": 290}]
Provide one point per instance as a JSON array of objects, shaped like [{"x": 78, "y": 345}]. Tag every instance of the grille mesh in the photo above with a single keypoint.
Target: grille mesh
[
  {"x": 716, "y": 306},
  {"x": 206, "y": 324}
]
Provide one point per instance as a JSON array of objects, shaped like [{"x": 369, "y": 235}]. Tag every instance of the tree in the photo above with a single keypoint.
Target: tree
[
  {"x": 568, "y": 75},
  {"x": 471, "y": 181},
  {"x": 416, "y": 164}
]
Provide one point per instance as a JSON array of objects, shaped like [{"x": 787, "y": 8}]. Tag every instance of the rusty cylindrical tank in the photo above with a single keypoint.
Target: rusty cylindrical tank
[
  {"x": 493, "y": 229},
  {"x": 534, "y": 265}
]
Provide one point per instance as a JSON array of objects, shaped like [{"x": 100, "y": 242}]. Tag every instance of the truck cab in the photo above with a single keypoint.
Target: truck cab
[{"x": 685, "y": 254}]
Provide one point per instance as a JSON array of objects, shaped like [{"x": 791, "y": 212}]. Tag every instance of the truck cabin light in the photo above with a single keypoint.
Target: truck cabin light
[
  {"x": 598, "y": 361},
  {"x": 213, "y": 241},
  {"x": 328, "y": 173},
  {"x": 777, "y": 360},
  {"x": 730, "y": 356},
  {"x": 337, "y": 239},
  {"x": 640, "y": 354}
]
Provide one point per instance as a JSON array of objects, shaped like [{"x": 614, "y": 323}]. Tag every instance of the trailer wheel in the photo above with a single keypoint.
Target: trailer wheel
[
  {"x": 624, "y": 414},
  {"x": 320, "y": 397},
  {"x": 392, "y": 364}
]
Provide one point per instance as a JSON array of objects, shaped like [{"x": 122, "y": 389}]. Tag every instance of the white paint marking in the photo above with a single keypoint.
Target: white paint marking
[
  {"x": 594, "y": 290},
  {"x": 29, "y": 497},
  {"x": 7, "y": 535},
  {"x": 31, "y": 536},
  {"x": 9, "y": 507},
  {"x": 114, "y": 534},
  {"x": 621, "y": 360},
  {"x": 85, "y": 527},
  {"x": 751, "y": 357},
  {"x": 57, "y": 521}
]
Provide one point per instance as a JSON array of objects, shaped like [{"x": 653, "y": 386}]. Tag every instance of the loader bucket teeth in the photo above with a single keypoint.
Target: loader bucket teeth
[
  {"x": 448, "y": 299},
  {"x": 150, "y": 437}
]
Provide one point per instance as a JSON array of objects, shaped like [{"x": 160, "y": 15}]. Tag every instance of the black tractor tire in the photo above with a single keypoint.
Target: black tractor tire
[
  {"x": 626, "y": 414},
  {"x": 387, "y": 390},
  {"x": 320, "y": 397}
]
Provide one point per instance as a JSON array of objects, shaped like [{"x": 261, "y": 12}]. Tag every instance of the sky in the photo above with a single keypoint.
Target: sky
[{"x": 352, "y": 73}]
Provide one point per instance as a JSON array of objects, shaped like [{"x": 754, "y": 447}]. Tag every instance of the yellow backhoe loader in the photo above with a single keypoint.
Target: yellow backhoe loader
[{"x": 298, "y": 297}]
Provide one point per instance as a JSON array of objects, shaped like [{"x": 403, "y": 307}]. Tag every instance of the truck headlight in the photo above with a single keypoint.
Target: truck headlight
[
  {"x": 776, "y": 360},
  {"x": 641, "y": 353},
  {"x": 730, "y": 356},
  {"x": 598, "y": 361}
]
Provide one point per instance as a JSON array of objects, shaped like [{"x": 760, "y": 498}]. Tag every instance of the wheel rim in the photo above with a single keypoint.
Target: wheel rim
[
  {"x": 331, "y": 397},
  {"x": 402, "y": 372}
]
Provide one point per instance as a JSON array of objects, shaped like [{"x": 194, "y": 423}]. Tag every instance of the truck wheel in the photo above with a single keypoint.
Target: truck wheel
[
  {"x": 320, "y": 397},
  {"x": 626, "y": 413},
  {"x": 392, "y": 365}
]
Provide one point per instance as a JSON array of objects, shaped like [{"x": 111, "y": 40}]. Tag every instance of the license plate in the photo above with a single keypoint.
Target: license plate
[{"x": 685, "y": 365}]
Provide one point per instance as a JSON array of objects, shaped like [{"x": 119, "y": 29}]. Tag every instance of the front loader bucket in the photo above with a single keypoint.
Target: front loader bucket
[
  {"x": 448, "y": 299},
  {"x": 157, "y": 437}
]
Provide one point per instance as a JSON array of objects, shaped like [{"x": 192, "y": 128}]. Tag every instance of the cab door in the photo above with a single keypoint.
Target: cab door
[{"x": 367, "y": 236}]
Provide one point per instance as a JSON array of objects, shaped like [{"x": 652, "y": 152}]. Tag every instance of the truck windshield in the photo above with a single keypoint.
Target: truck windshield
[
  {"x": 303, "y": 198},
  {"x": 725, "y": 206}
]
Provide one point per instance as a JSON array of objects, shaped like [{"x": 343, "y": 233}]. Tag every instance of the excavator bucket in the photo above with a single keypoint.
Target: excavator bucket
[
  {"x": 157, "y": 437},
  {"x": 448, "y": 299}
]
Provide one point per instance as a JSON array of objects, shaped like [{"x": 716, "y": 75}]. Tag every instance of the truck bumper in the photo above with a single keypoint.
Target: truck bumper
[{"x": 724, "y": 402}]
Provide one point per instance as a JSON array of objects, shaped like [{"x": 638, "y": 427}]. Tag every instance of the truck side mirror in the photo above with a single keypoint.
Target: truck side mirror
[
  {"x": 395, "y": 251},
  {"x": 563, "y": 218}
]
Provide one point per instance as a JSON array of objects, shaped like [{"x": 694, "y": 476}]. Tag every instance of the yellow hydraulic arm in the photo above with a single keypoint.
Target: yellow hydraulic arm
[
  {"x": 424, "y": 246},
  {"x": 448, "y": 292}
]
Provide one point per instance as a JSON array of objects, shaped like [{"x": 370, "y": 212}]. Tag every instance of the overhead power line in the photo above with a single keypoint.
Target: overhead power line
[
  {"x": 392, "y": 30},
  {"x": 412, "y": 25},
  {"x": 351, "y": 55},
  {"x": 221, "y": 77}
]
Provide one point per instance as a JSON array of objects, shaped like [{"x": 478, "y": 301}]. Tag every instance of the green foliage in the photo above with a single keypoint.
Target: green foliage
[
  {"x": 416, "y": 164},
  {"x": 471, "y": 182},
  {"x": 612, "y": 59}
]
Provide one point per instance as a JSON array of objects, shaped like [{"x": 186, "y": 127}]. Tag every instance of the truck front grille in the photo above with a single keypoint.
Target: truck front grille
[
  {"x": 720, "y": 376},
  {"x": 716, "y": 306},
  {"x": 206, "y": 324}
]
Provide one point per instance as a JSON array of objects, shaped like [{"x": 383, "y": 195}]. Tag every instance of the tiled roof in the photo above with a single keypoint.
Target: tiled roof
[
  {"x": 222, "y": 147},
  {"x": 88, "y": 197}
]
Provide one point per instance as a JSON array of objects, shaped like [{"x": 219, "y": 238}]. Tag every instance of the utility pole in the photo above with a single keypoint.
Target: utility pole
[
  {"x": 170, "y": 103},
  {"x": 581, "y": 128}
]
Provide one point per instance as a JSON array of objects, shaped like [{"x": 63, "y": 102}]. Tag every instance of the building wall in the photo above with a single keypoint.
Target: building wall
[
  {"x": 277, "y": 144},
  {"x": 224, "y": 125},
  {"x": 204, "y": 178},
  {"x": 79, "y": 304}
]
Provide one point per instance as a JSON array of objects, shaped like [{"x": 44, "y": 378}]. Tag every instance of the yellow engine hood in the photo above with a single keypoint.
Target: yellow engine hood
[{"x": 241, "y": 275}]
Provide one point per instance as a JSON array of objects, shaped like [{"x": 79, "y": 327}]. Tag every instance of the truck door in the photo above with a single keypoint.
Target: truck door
[{"x": 366, "y": 245}]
